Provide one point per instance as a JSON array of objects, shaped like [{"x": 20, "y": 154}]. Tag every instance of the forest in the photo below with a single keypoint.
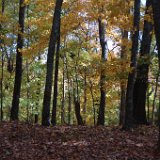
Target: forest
[{"x": 80, "y": 79}]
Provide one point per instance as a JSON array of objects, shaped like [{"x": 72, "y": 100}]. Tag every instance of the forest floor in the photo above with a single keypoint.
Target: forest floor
[{"x": 20, "y": 141}]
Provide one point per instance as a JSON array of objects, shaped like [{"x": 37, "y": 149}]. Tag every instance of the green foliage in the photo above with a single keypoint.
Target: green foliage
[{"x": 80, "y": 56}]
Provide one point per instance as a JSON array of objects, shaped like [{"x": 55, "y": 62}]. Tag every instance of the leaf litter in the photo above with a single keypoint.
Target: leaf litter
[{"x": 20, "y": 141}]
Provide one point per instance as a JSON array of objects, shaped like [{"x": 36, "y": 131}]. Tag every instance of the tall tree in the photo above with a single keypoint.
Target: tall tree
[
  {"x": 2, "y": 69},
  {"x": 141, "y": 83},
  {"x": 55, "y": 93},
  {"x": 50, "y": 61},
  {"x": 18, "y": 70},
  {"x": 156, "y": 17},
  {"x": 123, "y": 86},
  {"x": 103, "y": 43},
  {"x": 69, "y": 90},
  {"x": 131, "y": 77},
  {"x": 76, "y": 97}
]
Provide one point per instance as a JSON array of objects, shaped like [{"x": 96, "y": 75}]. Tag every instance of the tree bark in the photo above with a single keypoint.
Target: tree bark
[
  {"x": 18, "y": 70},
  {"x": 77, "y": 101},
  {"x": 69, "y": 92},
  {"x": 123, "y": 86},
  {"x": 141, "y": 83},
  {"x": 103, "y": 43},
  {"x": 63, "y": 96},
  {"x": 131, "y": 77},
  {"x": 93, "y": 104},
  {"x": 85, "y": 95},
  {"x": 154, "y": 98},
  {"x": 2, "y": 69},
  {"x": 156, "y": 17},
  {"x": 159, "y": 124},
  {"x": 50, "y": 62},
  {"x": 55, "y": 93},
  {"x": 69, "y": 102},
  {"x": 77, "y": 111}
]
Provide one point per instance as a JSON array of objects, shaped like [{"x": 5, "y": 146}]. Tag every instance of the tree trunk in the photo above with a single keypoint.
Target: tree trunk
[
  {"x": 141, "y": 83},
  {"x": 28, "y": 90},
  {"x": 123, "y": 86},
  {"x": 148, "y": 104},
  {"x": 69, "y": 92},
  {"x": 156, "y": 16},
  {"x": 50, "y": 61},
  {"x": 2, "y": 70},
  {"x": 93, "y": 104},
  {"x": 159, "y": 124},
  {"x": 69, "y": 86},
  {"x": 77, "y": 101},
  {"x": 154, "y": 98},
  {"x": 77, "y": 111},
  {"x": 131, "y": 77},
  {"x": 18, "y": 72},
  {"x": 36, "y": 118},
  {"x": 85, "y": 95},
  {"x": 55, "y": 94},
  {"x": 63, "y": 97},
  {"x": 69, "y": 103},
  {"x": 27, "y": 70},
  {"x": 103, "y": 43}
]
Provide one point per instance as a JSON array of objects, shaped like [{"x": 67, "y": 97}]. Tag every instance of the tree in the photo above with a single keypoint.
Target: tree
[
  {"x": 50, "y": 61},
  {"x": 18, "y": 72},
  {"x": 131, "y": 77},
  {"x": 156, "y": 17},
  {"x": 103, "y": 43},
  {"x": 2, "y": 70},
  {"x": 123, "y": 86},
  {"x": 91, "y": 81},
  {"x": 76, "y": 97},
  {"x": 55, "y": 93},
  {"x": 141, "y": 83}
]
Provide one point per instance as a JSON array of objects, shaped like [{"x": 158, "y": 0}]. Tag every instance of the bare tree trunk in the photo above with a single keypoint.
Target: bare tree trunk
[
  {"x": 18, "y": 72},
  {"x": 154, "y": 98},
  {"x": 63, "y": 96},
  {"x": 159, "y": 124},
  {"x": 93, "y": 104},
  {"x": 148, "y": 106},
  {"x": 28, "y": 81},
  {"x": 27, "y": 67},
  {"x": 55, "y": 93},
  {"x": 69, "y": 92},
  {"x": 85, "y": 95},
  {"x": 69, "y": 102},
  {"x": 2, "y": 69},
  {"x": 141, "y": 83},
  {"x": 123, "y": 86},
  {"x": 2, "y": 76},
  {"x": 122, "y": 105},
  {"x": 77, "y": 101},
  {"x": 131, "y": 77},
  {"x": 50, "y": 61},
  {"x": 103, "y": 43},
  {"x": 156, "y": 17}
]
